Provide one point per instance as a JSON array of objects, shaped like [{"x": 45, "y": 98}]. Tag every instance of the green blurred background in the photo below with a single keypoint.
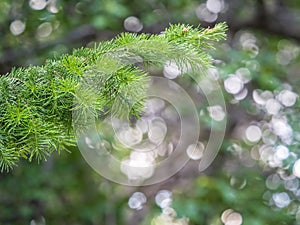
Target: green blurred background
[{"x": 65, "y": 190}]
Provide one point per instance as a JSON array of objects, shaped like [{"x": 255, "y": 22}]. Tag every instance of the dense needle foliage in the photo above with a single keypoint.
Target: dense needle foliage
[{"x": 37, "y": 102}]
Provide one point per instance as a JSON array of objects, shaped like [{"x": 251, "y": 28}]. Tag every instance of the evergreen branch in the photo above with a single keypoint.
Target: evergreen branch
[{"x": 39, "y": 103}]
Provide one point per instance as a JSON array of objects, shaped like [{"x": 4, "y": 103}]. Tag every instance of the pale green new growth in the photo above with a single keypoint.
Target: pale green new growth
[{"x": 36, "y": 103}]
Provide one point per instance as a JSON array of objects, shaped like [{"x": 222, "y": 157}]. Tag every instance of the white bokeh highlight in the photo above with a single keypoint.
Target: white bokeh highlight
[
  {"x": 133, "y": 24},
  {"x": 296, "y": 168},
  {"x": 38, "y": 4},
  {"x": 163, "y": 198},
  {"x": 195, "y": 151},
  {"x": 171, "y": 70},
  {"x": 253, "y": 133},
  {"x": 17, "y": 27},
  {"x": 230, "y": 217},
  {"x": 216, "y": 112},
  {"x": 233, "y": 84},
  {"x": 137, "y": 200}
]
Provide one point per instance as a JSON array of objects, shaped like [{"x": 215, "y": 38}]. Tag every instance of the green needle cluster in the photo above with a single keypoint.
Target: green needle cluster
[{"x": 37, "y": 103}]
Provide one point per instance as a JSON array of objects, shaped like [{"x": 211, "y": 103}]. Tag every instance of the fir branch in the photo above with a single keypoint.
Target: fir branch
[{"x": 39, "y": 103}]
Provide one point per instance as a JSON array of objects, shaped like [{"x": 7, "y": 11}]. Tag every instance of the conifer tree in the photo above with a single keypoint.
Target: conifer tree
[{"x": 37, "y": 102}]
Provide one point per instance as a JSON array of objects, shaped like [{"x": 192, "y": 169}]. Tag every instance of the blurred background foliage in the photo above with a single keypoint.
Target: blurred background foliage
[{"x": 65, "y": 190}]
